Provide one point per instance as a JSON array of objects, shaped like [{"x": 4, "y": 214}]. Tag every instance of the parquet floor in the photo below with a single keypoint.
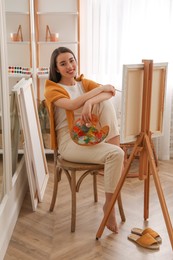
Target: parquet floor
[{"x": 42, "y": 235}]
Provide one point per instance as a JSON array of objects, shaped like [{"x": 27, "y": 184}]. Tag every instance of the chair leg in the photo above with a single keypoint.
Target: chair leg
[
  {"x": 73, "y": 201},
  {"x": 55, "y": 188},
  {"x": 121, "y": 210},
  {"x": 95, "y": 186}
]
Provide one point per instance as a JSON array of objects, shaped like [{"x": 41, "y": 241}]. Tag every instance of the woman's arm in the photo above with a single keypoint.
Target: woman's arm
[
  {"x": 87, "y": 108},
  {"x": 80, "y": 101}
]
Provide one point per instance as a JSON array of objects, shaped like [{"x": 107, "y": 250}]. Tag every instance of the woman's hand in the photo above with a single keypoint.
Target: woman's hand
[
  {"x": 86, "y": 112},
  {"x": 107, "y": 92}
]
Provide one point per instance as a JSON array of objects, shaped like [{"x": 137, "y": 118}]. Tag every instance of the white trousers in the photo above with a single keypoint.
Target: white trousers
[{"x": 112, "y": 156}]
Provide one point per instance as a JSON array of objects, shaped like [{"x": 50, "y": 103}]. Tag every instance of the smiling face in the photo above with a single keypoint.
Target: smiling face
[{"x": 66, "y": 66}]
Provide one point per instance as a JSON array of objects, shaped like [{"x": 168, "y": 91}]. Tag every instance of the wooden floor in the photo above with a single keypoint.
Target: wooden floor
[{"x": 42, "y": 235}]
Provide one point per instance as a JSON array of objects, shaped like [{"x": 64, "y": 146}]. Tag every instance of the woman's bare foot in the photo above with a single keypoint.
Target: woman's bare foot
[{"x": 111, "y": 222}]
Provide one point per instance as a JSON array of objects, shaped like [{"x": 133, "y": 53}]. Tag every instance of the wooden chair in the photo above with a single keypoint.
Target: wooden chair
[{"x": 70, "y": 169}]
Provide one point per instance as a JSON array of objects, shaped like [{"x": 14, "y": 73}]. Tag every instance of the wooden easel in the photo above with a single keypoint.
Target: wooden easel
[{"x": 147, "y": 162}]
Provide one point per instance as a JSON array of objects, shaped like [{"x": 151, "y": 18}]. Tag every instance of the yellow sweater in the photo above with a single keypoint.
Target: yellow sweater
[{"x": 52, "y": 93}]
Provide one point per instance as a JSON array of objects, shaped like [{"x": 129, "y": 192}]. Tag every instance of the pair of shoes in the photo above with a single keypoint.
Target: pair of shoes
[
  {"x": 147, "y": 238},
  {"x": 153, "y": 233}
]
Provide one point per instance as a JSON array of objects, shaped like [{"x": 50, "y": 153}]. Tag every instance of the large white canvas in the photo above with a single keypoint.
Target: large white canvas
[
  {"x": 34, "y": 149},
  {"x": 132, "y": 97}
]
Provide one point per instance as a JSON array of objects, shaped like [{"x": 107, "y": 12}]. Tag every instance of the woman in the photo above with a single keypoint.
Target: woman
[{"x": 69, "y": 98}]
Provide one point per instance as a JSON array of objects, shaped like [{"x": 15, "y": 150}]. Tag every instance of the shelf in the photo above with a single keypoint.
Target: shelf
[
  {"x": 57, "y": 13},
  {"x": 19, "y": 75},
  {"x": 19, "y": 42},
  {"x": 43, "y": 76},
  {"x": 58, "y": 42},
  {"x": 16, "y": 13}
]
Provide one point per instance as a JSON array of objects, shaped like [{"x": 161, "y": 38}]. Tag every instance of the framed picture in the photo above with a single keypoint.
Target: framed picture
[
  {"x": 34, "y": 149},
  {"x": 132, "y": 98}
]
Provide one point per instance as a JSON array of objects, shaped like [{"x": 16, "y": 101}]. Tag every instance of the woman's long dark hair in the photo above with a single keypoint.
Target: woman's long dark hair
[{"x": 53, "y": 74}]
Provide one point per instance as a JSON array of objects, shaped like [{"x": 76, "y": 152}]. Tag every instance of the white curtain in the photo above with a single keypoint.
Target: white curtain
[{"x": 117, "y": 32}]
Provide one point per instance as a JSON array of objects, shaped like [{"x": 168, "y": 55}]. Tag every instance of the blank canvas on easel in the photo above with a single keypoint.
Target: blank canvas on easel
[{"x": 132, "y": 101}]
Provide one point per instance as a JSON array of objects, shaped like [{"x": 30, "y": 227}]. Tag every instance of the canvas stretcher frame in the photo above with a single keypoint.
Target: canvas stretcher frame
[
  {"x": 36, "y": 164},
  {"x": 131, "y": 105}
]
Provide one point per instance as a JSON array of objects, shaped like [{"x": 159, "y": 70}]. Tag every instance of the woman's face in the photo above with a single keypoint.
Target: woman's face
[{"x": 66, "y": 65}]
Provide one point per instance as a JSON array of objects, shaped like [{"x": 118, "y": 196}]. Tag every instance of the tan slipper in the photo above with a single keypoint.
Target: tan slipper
[
  {"x": 140, "y": 232},
  {"x": 146, "y": 241}
]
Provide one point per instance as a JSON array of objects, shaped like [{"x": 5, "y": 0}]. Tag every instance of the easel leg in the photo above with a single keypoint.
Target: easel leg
[
  {"x": 146, "y": 192},
  {"x": 159, "y": 190},
  {"x": 118, "y": 188},
  {"x": 145, "y": 175}
]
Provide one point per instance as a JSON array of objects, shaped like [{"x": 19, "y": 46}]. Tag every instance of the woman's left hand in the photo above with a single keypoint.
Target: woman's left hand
[{"x": 86, "y": 112}]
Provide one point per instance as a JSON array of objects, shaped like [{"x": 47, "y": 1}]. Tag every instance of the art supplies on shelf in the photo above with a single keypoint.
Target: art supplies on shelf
[
  {"x": 13, "y": 70},
  {"x": 43, "y": 72}
]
